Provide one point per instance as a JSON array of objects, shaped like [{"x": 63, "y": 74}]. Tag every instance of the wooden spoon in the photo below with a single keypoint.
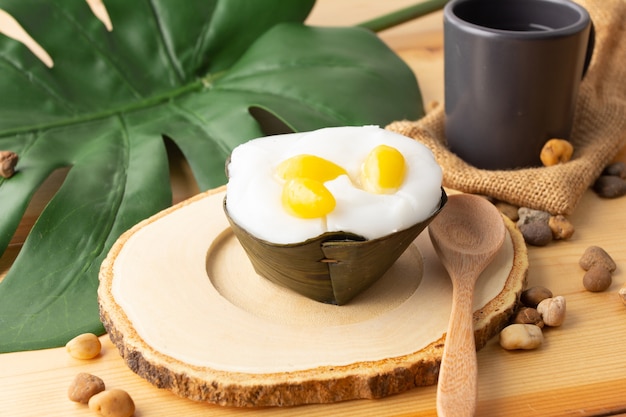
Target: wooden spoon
[{"x": 467, "y": 234}]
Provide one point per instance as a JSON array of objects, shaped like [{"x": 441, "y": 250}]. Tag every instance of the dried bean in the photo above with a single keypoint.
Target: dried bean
[
  {"x": 562, "y": 229},
  {"x": 556, "y": 151},
  {"x": 112, "y": 403},
  {"x": 84, "y": 346},
  {"x": 8, "y": 161}
]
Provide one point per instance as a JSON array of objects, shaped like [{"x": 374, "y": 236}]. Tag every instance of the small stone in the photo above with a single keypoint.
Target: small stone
[
  {"x": 528, "y": 315},
  {"x": 616, "y": 169},
  {"x": 597, "y": 279},
  {"x": 562, "y": 228},
  {"x": 84, "y": 386},
  {"x": 595, "y": 255},
  {"x": 532, "y": 296},
  {"x": 521, "y": 336},
  {"x": 609, "y": 186},
  {"x": 528, "y": 215},
  {"x": 552, "y": 310},
  {"x": 536, "y": 233}
]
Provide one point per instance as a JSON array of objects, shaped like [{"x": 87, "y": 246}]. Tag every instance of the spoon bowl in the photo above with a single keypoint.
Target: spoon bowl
[{"x": 466, "y": 235}]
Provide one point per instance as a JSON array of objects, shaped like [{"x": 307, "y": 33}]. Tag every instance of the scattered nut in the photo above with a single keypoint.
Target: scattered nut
[
  {"x": 597, "y": 279},
  {"x": 616, "y": 169},
  {"x": 84, "y": 386},
  {"x": 521, "y": 336},
  {"x": 528, "y": 315},
  {"x": 84, "y": 346},
  {"x": 556, "y": 151},
  {"x": 532, "y": 296},
  {"x": 622, "y": 294},
  {"x": 595, "y": 255},
  {"x": 562, "y": 229},
  {"x": 552, "y": 310},
  {"x": 112, "y": 403},
  {"x": 536, "y": 233},
  {"x": 609, "y": 186},
  {"x": 8, "y": 161}
]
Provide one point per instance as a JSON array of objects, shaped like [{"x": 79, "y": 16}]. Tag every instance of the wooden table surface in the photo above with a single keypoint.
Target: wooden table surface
[{"x": 579, "y": 371}]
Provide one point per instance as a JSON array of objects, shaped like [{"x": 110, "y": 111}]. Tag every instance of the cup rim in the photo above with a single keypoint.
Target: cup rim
[{"x": 583, "y": 21}]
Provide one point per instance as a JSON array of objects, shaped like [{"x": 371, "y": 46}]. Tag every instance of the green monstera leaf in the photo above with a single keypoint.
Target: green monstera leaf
[{"x": 207, "y": 74}]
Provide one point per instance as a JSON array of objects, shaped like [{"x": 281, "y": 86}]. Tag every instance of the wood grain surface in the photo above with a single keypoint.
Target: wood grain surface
[{"x": 579, "y": 371}]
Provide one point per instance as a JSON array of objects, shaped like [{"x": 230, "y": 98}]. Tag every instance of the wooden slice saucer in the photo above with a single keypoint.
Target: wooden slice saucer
[{"x": 186, "y": 310}]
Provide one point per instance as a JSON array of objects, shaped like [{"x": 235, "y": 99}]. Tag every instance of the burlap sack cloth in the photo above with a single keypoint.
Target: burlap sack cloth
[{"x": 599, "y": 130}]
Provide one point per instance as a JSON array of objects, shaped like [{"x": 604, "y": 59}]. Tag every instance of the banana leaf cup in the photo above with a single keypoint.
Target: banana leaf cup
[{"x": 333, "y": 267}]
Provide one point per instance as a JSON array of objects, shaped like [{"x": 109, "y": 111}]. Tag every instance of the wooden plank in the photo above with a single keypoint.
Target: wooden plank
[{"x": 579, "y": 370}]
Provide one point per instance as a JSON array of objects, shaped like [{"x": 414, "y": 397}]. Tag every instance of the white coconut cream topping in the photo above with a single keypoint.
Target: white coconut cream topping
[{"x": 254, "y": 189}]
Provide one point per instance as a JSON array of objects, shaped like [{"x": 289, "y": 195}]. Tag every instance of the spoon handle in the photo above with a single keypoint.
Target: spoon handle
[{"x": 456, "y": 387}]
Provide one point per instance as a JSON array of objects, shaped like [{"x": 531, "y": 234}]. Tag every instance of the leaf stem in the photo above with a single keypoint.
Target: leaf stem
[{"x": 403, "y": 15}]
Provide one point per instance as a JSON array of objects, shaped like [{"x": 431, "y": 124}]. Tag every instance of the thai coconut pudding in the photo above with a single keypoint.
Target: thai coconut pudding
[{"x": 338, "y": 188}]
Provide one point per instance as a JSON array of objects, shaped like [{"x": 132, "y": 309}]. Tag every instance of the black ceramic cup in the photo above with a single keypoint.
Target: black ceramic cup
[{"x": 512, "y": 72}]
